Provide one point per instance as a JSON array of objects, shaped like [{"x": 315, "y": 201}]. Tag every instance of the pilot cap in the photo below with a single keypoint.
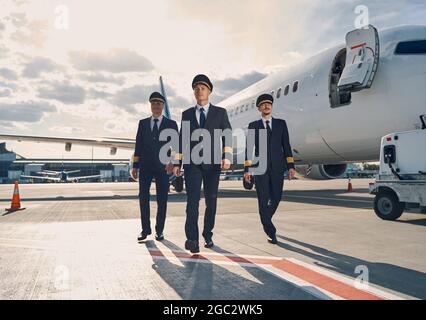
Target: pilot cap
[
  {"x": 264, "y": 98},
  {"x": 156, "y": 96},
  {"x": 202, "y": 79}
]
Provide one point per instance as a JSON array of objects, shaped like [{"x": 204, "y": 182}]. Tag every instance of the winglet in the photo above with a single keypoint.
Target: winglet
[{"x": 166, "y": 111}]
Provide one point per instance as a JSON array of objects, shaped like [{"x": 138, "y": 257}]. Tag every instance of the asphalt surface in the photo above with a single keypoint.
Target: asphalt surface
[{"x": 79, "y": 241}]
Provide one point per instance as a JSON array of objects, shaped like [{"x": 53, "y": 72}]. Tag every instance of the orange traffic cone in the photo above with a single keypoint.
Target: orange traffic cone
[
  {"x": 349, "y": 186},
  {"x": 16, "y": 200}
]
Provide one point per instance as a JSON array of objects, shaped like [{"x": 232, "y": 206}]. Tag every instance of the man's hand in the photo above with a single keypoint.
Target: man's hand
[
  {"x": 169, "y": 168},
  {"x": 247, "y": 177},
  {"x": 176, "y": 171},
  {"x": 291, "y": 174},
  {"x": 135, "y": 173},
  {"x": 226, "y": 164}
]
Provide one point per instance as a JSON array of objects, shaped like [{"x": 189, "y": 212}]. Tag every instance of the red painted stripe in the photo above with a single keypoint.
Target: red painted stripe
[
  {"x": 336, "y": 287},
  {"x": 359, "y": 45}
]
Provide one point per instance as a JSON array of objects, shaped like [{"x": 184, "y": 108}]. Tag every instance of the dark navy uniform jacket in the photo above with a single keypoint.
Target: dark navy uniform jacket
[
  {"x": 147, "y": 149},
  {"x": 217, "y": 118},
  {"x": 279, "y": 150}
]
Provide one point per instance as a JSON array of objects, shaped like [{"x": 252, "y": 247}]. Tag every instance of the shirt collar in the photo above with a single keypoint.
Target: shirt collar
[
  {"x": 206, "y": 107},
  {"x": 264, "y": 120},
  {"x": 159, "y": 118}
]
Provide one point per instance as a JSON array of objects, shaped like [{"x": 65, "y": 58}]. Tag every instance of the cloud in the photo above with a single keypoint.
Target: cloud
[
  {"x": 37, "y": 66},
  {"x": 3, "y": 51},
  {"x": 67, "y": 130},
  {"x": 127, "y": 98},
  {"x": 96, "y": 94},
  {"x": 178, "y": 102},
  {"x": 5, "y": 92},
  {"x": 63, "y": 92},
  {"x": 116, "y": 61},
  {"x": 223, "y": 89},
  {"x": 8, "y": 85},
  {"x": 8, "y": 74},
  {"x": 102, "y": 78},
  {"x": 29, "y": 111},
  {"x": 2, "y": 29},
  {"x": 28, "y": 32}
]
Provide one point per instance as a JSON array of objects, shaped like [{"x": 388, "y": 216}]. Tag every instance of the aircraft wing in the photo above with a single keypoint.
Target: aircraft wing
[
  {"x": 84, "y": 177},
  {"x": 98, "y": 142},
  {"x": 42, "y": 178}
]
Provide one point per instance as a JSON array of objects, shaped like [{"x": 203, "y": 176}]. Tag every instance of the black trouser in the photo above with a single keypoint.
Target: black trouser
[
  {"x": 269, "y": 188},
  {"x": 194, "y": 176},
  {"x": 162, "y": 190}
]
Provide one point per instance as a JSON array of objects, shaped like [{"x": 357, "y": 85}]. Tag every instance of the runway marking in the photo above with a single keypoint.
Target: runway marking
[
  {"x": 325, "y": 198},
  {"x": 320, "y": 284},
  {"x": 317, "y": 281}
]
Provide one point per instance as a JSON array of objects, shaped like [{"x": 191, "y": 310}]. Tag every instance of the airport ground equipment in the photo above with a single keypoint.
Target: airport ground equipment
[{"x": 401, "y": 182}]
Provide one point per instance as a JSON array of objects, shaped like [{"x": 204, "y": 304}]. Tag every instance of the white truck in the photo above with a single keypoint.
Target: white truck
[{"x": 401, "y": 182}]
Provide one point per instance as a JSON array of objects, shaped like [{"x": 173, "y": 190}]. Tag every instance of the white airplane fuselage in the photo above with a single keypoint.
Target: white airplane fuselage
[{"x": 321, "y": 134}]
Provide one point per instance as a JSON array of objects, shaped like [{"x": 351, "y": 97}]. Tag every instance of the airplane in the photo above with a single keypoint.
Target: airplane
[
  {"x": 337, "y": 104},
  {"x": 59, "y": 176}
]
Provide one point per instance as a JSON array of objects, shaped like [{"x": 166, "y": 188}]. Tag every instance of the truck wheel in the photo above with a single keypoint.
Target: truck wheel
[{"x": 387, "y": 206}]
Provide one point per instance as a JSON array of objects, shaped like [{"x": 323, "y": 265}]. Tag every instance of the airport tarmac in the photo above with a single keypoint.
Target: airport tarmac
[{"x": 79, "y": 241}]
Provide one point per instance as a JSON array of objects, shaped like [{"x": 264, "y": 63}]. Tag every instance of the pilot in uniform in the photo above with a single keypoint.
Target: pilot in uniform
[
  {"x": 279, "y": 157},
  {"x": 209, "y": 117},
  {"x": 147, "y": 165}
]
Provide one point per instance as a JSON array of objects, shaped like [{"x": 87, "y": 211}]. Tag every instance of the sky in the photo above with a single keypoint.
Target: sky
[{"x": 86, "y": 68}]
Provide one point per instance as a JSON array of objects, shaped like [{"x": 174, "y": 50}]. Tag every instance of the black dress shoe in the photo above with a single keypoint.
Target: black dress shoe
[
  {"x": 159, "y": 237},
  {"x": 142, "y": 236},
  {"x": 273, "y": 240},
  {"x": 192, "y": 246},
  {"x": 209, "y": 244}
]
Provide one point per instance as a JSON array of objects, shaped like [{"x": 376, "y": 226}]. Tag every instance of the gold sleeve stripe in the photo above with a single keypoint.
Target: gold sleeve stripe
[
  {"x": 248, "y": 163},
  {"x": 136, "y": 159},
  {"x": 178, "y": 156},
  {"x": 227, "y": 150},
  {"x": 290, "y": 160}
]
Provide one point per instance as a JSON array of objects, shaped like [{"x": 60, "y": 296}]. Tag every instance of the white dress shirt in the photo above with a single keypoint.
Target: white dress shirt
[
  {"x": 264, "y": 122},
  {"x": 198, "y": 112},
  {"x": 160, "y": 118}
]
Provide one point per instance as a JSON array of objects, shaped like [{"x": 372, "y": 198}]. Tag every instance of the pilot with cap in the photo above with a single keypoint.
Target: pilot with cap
[
  {"x": 148, "y": 166},
  {"x": 279, "y": 158},
  {"x": 209, "y": 117}
]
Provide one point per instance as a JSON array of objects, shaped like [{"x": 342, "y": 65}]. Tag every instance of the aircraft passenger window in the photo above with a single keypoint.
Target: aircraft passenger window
[
  {"x": 287, "y": 89},
  {"x": 279, "y": 93},
  {"x": 242, "y": 108},
  {"x": 295, "y": 86},
  {"x": 411, "y": 47},
  {"x": 252, "y": 104},
  {"x": 247, "y": 107}
]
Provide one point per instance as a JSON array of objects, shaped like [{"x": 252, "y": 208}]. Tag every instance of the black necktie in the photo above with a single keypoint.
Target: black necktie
[
  {"x": 155, "y": 130},
  {"x": 202, "y": 118},
  {"x": 269, "y": 131},
  {"x": 268, "y": 127}
]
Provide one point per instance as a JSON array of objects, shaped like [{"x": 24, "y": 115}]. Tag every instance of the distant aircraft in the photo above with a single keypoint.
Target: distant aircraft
[
  {"x": 60, "y": 176},
  {"x": 337, "y": 104}
]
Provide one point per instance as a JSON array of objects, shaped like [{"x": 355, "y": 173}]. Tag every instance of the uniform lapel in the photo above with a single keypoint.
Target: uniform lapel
[
  {"x": 194, "y": 117},
  {"x": 148, "y": 127},
  {"x": 163, "y": 124},
  {"x": 211, "y": 114}
]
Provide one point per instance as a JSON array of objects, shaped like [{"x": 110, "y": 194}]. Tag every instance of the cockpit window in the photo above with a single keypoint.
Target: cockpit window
[{"x": 411, "y": 47}]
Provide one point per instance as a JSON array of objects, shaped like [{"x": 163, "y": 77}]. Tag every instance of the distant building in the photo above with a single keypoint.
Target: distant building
[
  {"x": 12, "y": 166},
  {"x": 6, "y": 159}
]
